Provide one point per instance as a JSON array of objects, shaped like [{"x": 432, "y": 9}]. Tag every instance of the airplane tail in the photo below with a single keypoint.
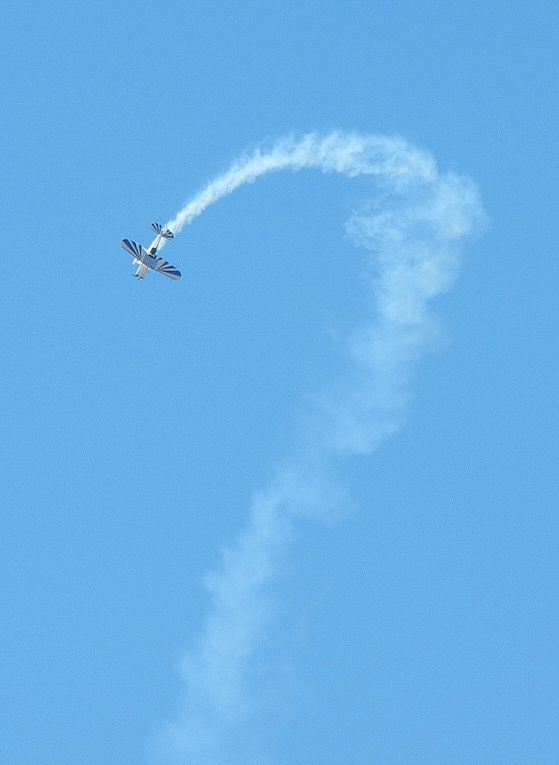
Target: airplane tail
[{"x": 160, "y": 231}]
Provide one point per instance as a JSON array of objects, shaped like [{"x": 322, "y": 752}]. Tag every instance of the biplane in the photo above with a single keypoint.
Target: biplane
[{"x": 148, "y": 260}]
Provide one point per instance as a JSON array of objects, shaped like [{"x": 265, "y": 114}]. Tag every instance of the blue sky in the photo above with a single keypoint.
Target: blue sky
[{"x": 138, "y": 419}]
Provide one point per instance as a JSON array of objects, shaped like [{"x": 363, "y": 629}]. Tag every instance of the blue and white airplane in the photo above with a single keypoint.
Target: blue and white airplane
[{"x": 147, "y": 260}]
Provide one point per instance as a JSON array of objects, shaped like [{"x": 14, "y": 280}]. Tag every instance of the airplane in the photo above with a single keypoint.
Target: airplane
[{"x": 147, "y": 260}]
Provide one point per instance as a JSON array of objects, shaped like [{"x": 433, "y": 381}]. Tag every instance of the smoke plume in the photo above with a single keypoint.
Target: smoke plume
[{"x": 412, "y": 231}]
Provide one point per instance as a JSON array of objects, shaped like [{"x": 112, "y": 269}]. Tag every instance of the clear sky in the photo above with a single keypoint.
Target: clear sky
[{"x": 137, "y": 419}]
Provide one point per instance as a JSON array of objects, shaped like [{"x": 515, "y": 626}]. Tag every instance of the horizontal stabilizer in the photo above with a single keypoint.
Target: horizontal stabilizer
[{"x": 165, "y": 233}]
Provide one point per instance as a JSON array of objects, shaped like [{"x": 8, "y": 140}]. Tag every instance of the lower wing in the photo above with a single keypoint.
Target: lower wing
[
  {"x": 150, "y": 261},
  {"x": 167, "y": 269}
]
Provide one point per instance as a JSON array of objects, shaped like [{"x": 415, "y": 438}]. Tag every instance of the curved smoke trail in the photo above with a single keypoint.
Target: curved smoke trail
[{"x": 413, "y": 233}]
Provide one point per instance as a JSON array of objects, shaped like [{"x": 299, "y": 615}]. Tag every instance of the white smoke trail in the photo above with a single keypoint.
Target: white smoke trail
[{"x": 412, "y": 233}]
